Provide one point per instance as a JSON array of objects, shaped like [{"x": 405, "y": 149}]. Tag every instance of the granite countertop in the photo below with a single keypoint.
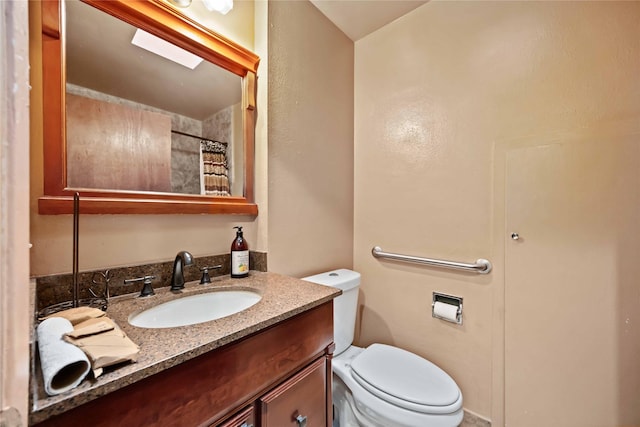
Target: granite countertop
[{"x": 282, "y": 297}]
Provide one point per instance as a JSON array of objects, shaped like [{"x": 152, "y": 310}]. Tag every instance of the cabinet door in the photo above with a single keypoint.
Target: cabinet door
[
  {"x": 299, "y": 401},
  {"x": 244, "y": 418}
]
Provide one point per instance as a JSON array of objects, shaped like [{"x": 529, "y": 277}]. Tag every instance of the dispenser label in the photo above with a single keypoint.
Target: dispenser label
[{"x": 239, "y": 262}]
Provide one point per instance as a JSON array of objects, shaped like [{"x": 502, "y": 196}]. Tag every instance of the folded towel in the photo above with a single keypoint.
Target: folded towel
[
  {"x": 92, "y": 327},
  {"x": 64, "y": 365},
  {"x": 78, "y": 314},
  {"x": 104, "y": 348}
]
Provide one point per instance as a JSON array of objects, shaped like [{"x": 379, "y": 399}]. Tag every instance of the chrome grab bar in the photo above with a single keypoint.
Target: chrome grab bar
[{"x": 481, "y": 266}]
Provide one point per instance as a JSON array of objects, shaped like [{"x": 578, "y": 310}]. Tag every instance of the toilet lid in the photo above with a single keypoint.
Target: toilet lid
[{"x": 404, "y": 378}]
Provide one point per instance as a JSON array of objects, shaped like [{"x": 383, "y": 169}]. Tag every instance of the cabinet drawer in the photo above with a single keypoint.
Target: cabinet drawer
[
  {"x": 245, "y": 418},
  {"x": 299, "y": 401}
]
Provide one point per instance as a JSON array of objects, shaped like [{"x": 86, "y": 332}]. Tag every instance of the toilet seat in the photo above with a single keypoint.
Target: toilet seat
[
  {"x": 406, "y": 380},
  {"x": 374, "y": 411}
]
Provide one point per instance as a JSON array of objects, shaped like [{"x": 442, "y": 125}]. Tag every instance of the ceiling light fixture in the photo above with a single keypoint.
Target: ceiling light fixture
[
  {"x": 181, "y": 3},
  {"x": 165, "y": 49},
  {"x": 221, "y": 6}
]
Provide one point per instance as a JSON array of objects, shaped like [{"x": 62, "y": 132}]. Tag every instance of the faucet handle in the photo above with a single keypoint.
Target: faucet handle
[
  {"x": 205, "y": 274},
  {"x": 147, "y": 289}
]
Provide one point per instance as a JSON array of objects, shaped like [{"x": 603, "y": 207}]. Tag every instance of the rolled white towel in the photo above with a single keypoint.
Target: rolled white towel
[{"x": 64, "y": 365}]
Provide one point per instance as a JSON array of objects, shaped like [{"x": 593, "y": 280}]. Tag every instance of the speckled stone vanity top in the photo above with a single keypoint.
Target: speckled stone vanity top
[{"x": 282, "y": 297}]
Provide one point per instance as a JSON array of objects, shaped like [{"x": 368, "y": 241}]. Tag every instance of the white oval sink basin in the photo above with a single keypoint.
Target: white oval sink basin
[{"x": 195, "y": 309}]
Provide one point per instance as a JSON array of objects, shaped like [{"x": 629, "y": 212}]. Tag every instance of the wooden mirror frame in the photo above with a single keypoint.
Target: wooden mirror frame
[{"x": 162, "y": 20}]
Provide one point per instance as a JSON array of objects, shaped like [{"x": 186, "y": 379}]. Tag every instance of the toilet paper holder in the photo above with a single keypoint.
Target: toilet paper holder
[{"x": 449, "y": 300}]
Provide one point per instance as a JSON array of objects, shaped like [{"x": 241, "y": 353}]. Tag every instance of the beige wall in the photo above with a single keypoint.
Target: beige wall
[
  {"x": 115, "y": 240},
  {"x": 440, "y": 95},
  {"x": 261, "y": 31},
  {"x": 310, "y": 141}
]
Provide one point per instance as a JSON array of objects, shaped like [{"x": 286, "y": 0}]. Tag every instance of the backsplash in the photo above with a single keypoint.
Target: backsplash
[{"x": 59, "y": 288}]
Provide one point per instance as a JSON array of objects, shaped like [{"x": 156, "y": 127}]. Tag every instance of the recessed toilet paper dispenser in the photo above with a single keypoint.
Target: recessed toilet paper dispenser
[{"x": 447, "y": 307}]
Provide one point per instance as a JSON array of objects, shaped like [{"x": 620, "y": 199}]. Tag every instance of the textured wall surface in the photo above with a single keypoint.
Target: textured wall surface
[
  {"x": 440, "y": 95},
  {"x": 310, "y": 141}
]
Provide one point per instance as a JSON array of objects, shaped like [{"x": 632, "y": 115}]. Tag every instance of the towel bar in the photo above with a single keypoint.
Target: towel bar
[{"x": 481, "y": 266}]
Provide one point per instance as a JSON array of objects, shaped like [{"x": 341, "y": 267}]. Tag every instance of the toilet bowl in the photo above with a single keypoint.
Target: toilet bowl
[{"x": 382, "y": 385}]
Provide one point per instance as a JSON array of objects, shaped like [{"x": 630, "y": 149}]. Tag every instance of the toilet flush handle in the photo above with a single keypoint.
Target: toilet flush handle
[{"x": 302, "y": 421}]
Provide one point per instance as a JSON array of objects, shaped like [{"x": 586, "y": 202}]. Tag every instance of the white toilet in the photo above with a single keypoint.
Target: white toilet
[{"x": 382, "y": 385}]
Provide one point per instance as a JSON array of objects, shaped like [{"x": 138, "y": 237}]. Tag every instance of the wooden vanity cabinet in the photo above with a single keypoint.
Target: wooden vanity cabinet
[{"x": 266, "y": 379}]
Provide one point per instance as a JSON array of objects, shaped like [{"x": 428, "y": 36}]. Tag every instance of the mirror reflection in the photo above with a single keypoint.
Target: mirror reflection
[{"x": 137, "y": 121}]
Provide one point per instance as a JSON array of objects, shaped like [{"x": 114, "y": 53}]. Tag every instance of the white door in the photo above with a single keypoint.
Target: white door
[
  {"x": 572, "y": 285},
  {"x": 15, "y": 321}
]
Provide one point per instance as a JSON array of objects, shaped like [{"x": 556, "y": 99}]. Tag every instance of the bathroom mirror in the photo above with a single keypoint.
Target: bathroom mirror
[{"x": 187, "y": 148}]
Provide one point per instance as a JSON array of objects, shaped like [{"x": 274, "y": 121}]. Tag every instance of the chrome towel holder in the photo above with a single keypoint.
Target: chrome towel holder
[{"x": 481, "y": 266}]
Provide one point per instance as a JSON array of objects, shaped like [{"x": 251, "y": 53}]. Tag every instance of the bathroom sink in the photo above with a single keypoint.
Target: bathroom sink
[{"x": 195, "y": 309}]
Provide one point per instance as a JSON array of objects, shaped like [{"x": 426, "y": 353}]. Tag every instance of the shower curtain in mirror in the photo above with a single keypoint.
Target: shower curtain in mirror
[{"x": 214, "y": 168}]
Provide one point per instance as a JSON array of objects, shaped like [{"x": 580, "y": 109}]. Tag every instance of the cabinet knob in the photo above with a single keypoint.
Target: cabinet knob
[
  {"x": 515, "y": 236},
  {"x": 302, "y": 421},
  {"x": 246, "y": 424}
]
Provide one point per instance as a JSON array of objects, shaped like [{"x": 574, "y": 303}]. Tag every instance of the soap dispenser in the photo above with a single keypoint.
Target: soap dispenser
[{"x": 239, "y": 256}]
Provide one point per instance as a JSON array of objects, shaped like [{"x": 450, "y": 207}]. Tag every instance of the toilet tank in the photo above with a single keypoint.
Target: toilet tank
[{"x": 344, "y": 307}]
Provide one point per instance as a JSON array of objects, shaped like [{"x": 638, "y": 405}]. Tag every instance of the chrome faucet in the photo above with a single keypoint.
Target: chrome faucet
[{"x": 183, "y": 259}]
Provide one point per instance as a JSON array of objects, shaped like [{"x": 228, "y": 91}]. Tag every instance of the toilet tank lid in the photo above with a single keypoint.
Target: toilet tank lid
[{"x": 343, "y": 279}]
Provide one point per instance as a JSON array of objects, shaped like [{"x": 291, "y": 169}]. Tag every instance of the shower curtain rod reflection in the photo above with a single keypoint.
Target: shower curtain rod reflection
[{"x": 196, "y": 136}]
